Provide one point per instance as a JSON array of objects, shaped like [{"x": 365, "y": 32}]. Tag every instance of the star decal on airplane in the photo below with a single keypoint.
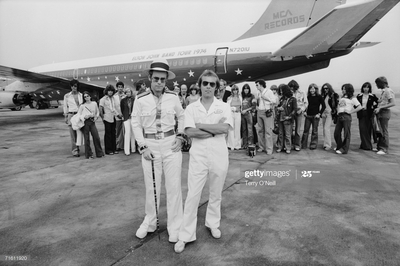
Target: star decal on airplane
[
  {"x": 191, "y": 73},
  {"x": 88, "y": 79},
  {"x": 116, "y": 78},
  {"x": 239, "y": 71},
  {"x": 176, "y": 83}
]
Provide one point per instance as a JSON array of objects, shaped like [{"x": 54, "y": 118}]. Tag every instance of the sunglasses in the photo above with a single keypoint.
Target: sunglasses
[
  {"x": 157, "y": 79},
  {"x": 212, "y": 84}
]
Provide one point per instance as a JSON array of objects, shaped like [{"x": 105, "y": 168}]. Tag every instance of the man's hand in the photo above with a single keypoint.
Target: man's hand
[
  {"x": 148, "y": 155},
  {"x": 176, "y": 145}
]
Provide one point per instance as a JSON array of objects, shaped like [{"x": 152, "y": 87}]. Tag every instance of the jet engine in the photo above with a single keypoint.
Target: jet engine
[{"x": 14, "y": 100}]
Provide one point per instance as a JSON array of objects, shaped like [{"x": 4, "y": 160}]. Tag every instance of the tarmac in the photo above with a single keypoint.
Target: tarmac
[{"x": 309, "y": 208}]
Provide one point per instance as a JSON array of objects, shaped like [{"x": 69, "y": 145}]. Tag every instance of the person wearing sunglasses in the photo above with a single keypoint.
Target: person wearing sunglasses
[
  {"x": 89, "y": 112},
  {"x": 71, "y": 103},
  {"x": 207, "y": 121},
  {"x": 153, "y": 122}
]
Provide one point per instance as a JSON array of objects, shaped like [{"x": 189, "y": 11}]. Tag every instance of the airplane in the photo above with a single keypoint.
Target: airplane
[{"x": 290, "y": 38}]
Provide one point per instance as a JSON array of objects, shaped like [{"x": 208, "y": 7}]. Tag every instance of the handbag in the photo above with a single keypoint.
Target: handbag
[{"x": 268, "y": 112}]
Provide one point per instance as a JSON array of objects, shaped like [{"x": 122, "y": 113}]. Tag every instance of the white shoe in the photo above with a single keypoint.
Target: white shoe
[
  {"x": 179, "y": 246},
  {"x": 173, "y": 238},
  {"x": 338, "y": 152},
  {"x": 142, "y": 233},
  {"x": 374, "y": 149},
  {"x": 381, "y": 152},
  {"x": 297, "y": 149},
  {"x": 215, "y": 232}
]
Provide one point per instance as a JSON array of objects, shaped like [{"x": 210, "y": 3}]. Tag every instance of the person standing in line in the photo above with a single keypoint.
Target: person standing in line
[
  {"x": 193, "y": 94},
  {"x": 301, "y": 107},
  {"x": 382, "y": 112},
  {"x": 285, "y": 112},
  {"x": 89, "y": 113},
  {"x": 348, "y": 104},
  {"x": 183, "y": 95},
  {"x": 315, "y": 109},
  {"x": 119, "y": 123},
  {"x": 265, "y": 119},
  {"x": 249, "y": 103},
  {"x": 235, "y": 102},
  {"x": 108, "y": 113},
  {"x": 331, "y": 99},
  {"x": 365, "y": 116},
  {"x": 126, "y": 109},
  {"x": 153, "y": 121},
  {"x": 140, "y": 87},
  {"x": 71, "y": 103},
  {"x": 207, "y": 121},
  {"x": 223, "y": 92}
]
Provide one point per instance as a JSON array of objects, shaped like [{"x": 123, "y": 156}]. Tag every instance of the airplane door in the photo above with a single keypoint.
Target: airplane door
[
  {"x": 220, "y": 60},
  {"x": 75, "y": 74}
]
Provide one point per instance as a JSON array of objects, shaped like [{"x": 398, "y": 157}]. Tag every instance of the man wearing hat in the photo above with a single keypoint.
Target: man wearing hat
[{"x": 153, "y": 121}]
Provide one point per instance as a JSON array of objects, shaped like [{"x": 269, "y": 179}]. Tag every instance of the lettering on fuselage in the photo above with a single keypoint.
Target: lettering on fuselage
[
  {"x": 283, "y": 18},
  {"x": 171, "y": 54},
  {"x": 239, "y": 49}
]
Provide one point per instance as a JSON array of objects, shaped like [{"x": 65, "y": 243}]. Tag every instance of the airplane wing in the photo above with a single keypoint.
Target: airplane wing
[
  {"x": 338, "y": 30},
  {"x": 47, "y": 81}
]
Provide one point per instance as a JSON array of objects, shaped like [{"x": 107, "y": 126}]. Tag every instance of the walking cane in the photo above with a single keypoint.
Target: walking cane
[{"x": 155, "y": 198}]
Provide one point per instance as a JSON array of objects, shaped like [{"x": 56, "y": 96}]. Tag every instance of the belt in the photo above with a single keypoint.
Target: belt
[
  {"x": 72, "y": 113},
  {"x": 159, "y": 135}
]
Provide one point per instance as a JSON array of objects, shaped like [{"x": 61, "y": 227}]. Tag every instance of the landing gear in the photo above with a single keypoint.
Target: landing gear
[{"x": 18, "y": 108}]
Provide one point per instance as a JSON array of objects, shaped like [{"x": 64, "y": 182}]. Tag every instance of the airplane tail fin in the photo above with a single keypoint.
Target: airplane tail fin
[{"x": 282, "y": 15}]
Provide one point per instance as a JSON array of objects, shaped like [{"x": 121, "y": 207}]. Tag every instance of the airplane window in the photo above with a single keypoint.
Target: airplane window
[
  {"x": 174, "y": 63},
  {"x": 130, "y": 68},
  {"x": 180, "y": 62},
  {"x": 114, "y": 68},
  {"x": 135, "y": 67},
  {"x": 140, "y": 67},
  {"x": 186, "y": 62},
  {"x": 198, "y": 61},
  {"x": 106, "y": 70},
  {"x": 192, "y": 61},
  {"x": 118, "y": 68},
  {"x": 205, "y": 60}
]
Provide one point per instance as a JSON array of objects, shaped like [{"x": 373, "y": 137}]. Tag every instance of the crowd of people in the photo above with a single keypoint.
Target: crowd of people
[{"x": 158, "y": 121}]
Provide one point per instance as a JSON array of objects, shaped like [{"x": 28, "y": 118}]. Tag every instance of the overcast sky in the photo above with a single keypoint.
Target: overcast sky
[{"x": 39, "y": 32}]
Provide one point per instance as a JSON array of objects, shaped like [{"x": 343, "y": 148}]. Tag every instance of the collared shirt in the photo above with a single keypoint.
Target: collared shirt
[
  {"x": 196, "y": 113},
  {"x": 145, "y": 110},
  {"x": 387, "y": 94},
  {"x": 109, "y": 108},
  {"x": 301, "y": 99},
  {"x": 267, "y": 98},
  {"x": 70, "y": 102}
]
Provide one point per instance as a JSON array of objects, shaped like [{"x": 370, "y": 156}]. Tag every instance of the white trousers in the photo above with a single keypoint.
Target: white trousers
[
  {"x": 171, "y": 163},
  {"x": 326, "y": 125},
  {"x": 234, "y": 139},
  {"x": 79, "y": 138},
  {"x": 201, "y": 168},
  {"x": 129, "y": 138}
]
